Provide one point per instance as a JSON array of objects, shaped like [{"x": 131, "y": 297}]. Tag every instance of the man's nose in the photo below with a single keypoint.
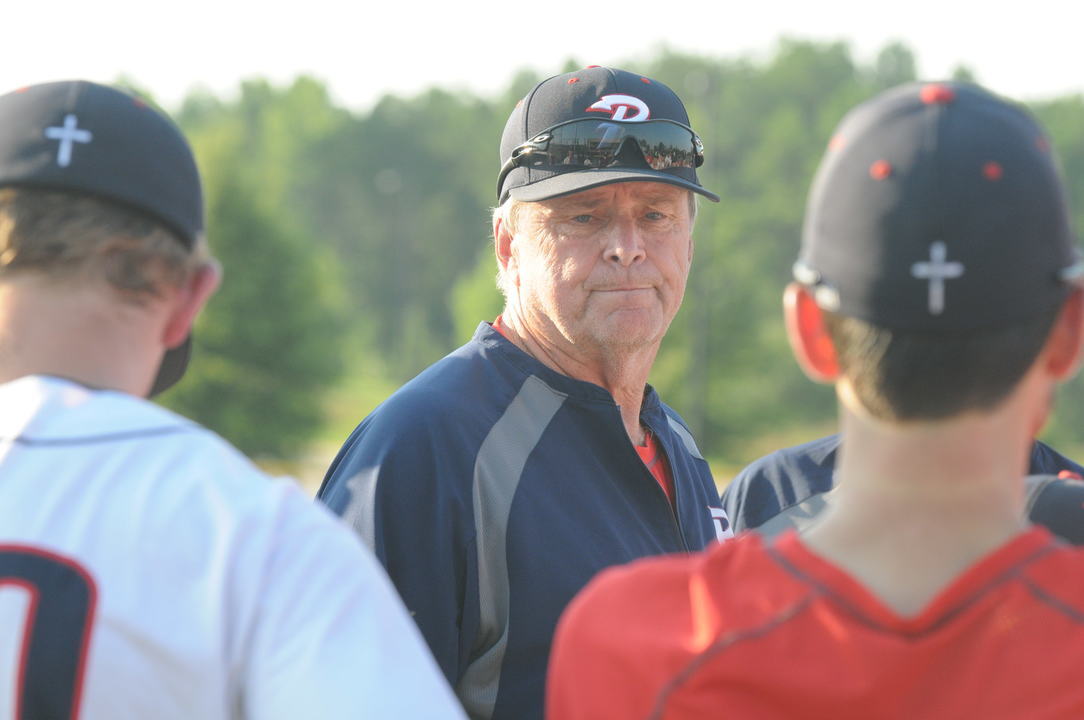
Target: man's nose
[{"x": 625, "y": 244}]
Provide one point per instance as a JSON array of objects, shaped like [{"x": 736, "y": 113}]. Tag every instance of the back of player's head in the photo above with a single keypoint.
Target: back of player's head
[
  {"x": 937, "y": 237},
  {"x": 94, "y": 180}
]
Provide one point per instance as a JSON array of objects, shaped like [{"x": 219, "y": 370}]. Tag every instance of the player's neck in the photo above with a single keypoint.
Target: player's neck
[
  {"x": 74, "y": 332},
  {"x": 917, "y": 504},
  {"x": 622, "y": 372}
]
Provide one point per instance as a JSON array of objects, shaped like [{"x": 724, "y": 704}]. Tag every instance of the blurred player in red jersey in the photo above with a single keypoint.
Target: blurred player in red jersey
[{"x": 937, "y": 288}]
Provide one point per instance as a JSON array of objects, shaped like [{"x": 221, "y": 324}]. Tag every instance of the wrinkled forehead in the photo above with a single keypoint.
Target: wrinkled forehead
[{"x": 623, "y": 193}]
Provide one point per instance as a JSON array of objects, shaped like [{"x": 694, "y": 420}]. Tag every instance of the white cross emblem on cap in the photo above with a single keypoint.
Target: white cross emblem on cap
[
  {"x": 937, "y": 271},
  {"x": 70, "y": 133}
]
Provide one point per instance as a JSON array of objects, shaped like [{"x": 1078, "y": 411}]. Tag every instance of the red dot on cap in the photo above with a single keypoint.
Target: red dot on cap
[
  {"x": 880, "y": 170},
  {"x": 573, "y": 80},
  {"x": 837, "y": 142},
  {"x": 592, "y": 66},
  {"x": 645, "y": 80},
  {"x": 993, "y": 171},
  {"x": 937, "y": 94}
]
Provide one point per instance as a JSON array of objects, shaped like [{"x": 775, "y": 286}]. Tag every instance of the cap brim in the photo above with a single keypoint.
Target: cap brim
[
  {"x": 570, "y": 182},
  {"x": 174, "y": 363}
]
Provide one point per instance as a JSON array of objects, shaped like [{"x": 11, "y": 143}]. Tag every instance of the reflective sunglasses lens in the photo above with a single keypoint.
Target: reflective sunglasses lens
[{"x": 590, "y": 143}]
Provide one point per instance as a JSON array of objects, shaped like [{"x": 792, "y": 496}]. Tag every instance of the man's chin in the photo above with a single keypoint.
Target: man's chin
[{"x": 630, "y": 328}]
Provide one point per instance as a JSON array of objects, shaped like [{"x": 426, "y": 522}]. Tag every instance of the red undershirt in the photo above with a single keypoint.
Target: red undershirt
[{"x": 651, "y": 452}]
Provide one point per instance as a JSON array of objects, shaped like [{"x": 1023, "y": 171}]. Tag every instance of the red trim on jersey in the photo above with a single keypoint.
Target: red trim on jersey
[
  {"x": 654, "y": 458},
  {"x": 966, "y": 588}
]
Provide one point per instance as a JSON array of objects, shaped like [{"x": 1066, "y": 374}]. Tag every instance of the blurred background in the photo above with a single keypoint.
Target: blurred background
[{"x": 349, "y": 157}]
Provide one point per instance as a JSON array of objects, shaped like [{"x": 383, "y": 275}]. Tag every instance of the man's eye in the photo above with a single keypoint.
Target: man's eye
[
  {"x": 582, "y": 219},
  {"x": 653, "y": 215}
]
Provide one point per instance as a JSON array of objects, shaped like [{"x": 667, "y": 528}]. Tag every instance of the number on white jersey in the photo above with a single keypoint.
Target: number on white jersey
[{"x": 46, "y": 614}]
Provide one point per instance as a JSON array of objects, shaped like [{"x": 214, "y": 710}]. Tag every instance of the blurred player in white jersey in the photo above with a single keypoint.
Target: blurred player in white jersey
[{"x": 148, "y": 569}]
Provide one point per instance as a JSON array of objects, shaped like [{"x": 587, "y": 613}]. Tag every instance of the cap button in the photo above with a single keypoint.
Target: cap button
[
  {"x": 880, "y": 170},
  {"x": 937, "y": 94}
]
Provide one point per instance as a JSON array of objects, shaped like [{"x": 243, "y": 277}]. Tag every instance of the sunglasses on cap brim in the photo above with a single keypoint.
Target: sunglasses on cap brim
[{"x": 588, "y": 143}]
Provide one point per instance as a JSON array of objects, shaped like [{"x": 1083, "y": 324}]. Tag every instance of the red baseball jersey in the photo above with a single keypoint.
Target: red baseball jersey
[{"x": 753, "y": 630}]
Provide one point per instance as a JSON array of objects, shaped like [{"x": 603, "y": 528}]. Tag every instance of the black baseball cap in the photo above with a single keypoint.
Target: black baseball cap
[
  {"x": 594, "y": 127},
  {"x": 88, "y": 138},
  {"x": 938, "y": 207}
]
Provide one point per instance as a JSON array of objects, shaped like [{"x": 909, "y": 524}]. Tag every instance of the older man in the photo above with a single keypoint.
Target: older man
[{"x": 495, "y": 484}]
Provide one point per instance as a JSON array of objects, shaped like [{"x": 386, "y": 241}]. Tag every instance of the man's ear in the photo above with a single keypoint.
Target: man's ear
[
  {"x": 1063, "y": 347},
  {"x": 502, "y": 243},
  {"x": 808, "y": 336},
  {"x": 188, "y": 302}
]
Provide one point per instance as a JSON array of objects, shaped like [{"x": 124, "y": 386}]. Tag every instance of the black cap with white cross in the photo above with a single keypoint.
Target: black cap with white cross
[
  {"x": 95, "y": 139},
  {"x": 938, "y": 206}
]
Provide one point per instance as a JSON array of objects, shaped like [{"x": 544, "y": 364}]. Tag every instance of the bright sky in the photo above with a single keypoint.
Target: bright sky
[{"x": 363, "y": 49}]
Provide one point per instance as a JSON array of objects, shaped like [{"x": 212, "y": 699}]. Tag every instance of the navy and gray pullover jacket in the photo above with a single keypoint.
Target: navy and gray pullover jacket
[{"x": 493, "y": 488}]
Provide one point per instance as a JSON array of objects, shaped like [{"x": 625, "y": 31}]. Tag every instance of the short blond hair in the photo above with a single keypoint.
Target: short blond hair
[{"x": 69, "y": 236}]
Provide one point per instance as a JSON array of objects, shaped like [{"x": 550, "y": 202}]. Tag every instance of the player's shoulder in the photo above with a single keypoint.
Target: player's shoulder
[
  {"x": 465, "y": 383},
  {"x": 1055, "y": 574},
  {"x": 43, "y": 410},
  {"x": 195, "y": 453},
  {"x": 188, "y": 462},
  {"x": 190, "y": 487},
  {"x": 1054, "y": 581},
  {"x": 780, "y": 480},
  {"x": 441, "y": 417},
  {"x": 1047, "y": 460},
  {"x": 206, "y": 488},
  {"x": 1057, "y": 503},
  {"x": 815, "y": 458}
]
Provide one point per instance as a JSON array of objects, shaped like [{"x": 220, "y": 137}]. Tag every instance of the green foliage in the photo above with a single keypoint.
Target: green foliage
[
  {"x": 895, "y": 64},
  {"x": 1064, "y": 120},
  {"x": 475, "y": 296},
  {"x": 266, "y": 347},
  {"x": 401, "y": 197},
  {"x": 266, "y": 344},
  {"x": 361, "y": 241}
]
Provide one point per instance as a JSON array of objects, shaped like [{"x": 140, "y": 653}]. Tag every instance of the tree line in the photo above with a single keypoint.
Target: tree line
[{"x": 356, "y": 246}]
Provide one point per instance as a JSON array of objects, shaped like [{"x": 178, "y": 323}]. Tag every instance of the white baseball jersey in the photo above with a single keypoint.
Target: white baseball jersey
[{"x": 148, "y": 570}]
